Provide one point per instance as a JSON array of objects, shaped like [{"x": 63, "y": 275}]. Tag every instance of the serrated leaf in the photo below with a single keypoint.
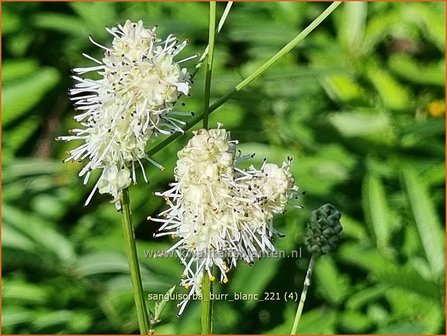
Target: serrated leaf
[
  {"x": 408, "y": 279},
  {"x": 426, "y": 220},
  {"x": 331, "y": 284},
  {"x": 389, "y": 272},
  {"x": 375, "y": 207},
  {"x": 160, "y": 306}
]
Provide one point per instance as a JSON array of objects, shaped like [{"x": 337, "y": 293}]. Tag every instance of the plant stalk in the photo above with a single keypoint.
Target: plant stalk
[
  {"x": 207, "y": 309},
  {"x": 289, "y": 46},
  {"x": 306, "y": 285},
  {"x": 206, "y": 318},
  {"x": 209, "y": 62},
  {"x": 134, "y": 268},
  {"x": 219, "y": 28}
]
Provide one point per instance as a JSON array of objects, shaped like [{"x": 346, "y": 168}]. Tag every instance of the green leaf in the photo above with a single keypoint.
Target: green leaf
[
  {"x": 408, "y": 279},
  {"x": 351, "y": 25},
  {"x": 424, "y": 128},
  {"x": 330, "y": 283},
  {"x": 160, "y": 306},
  {"x": 96, "y": 16},
  {"x": 318, "y": 321},
  {"x": 15, "y": 104},
  {"x": 425, "y": 74},
  {"x": 13, "y": 315},
  {"x": 102, "y": 262},
  {"x": 64, "y": 23},
  {"x": 366, "y": 295},
  {"x": 375, "y": 207},
  {"x": 353, "y": 228},
  {"x": 19, "y": 135},
  {"x": 343, "y": 88},
  {"x": 253, "y": 279},
  {"x": 354, "y": 322},
  {"x": 430, "y": 19},
  {"x": 371, "y": 261},
  {"x": 18, "y": 68},
  {"x": 10, "y": 21},
  {"x": 52, "y": 319},
  {"x": 18, "y": 291},
  {"x": 370, "y": 125},
  {"x": 13, "y": 239},
  {"x": 426, "y": 220},
  {"x": 29, "y": 167},
  {"x": 47, "y": 239},
  {"x": 394, "y": 95},
  {"x": 425, "y": 315}
]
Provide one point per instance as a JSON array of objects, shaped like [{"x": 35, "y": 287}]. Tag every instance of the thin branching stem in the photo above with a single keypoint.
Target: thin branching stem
[{"x": 288, "y": 47}]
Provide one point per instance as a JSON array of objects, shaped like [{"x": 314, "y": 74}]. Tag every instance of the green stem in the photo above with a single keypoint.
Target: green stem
[
  {"x": 135, "y": 275},
  {"x": 219, "y": 28},
  {"x": 289, "y": 46},
  {"x": 206, "y": 304},
  {"x": 209, "y": 62},
  {"x": 306, "y": 285},
  {"x": 206, "y": 282}
]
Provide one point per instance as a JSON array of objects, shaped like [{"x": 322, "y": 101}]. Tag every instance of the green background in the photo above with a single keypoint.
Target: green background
[{"x": 359, "y": 105}]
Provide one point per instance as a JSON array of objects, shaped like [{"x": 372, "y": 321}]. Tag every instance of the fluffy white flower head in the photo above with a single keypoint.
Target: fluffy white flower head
[
  {"x": 219, "y": 212},
  {"x": 128, "y": 105}
]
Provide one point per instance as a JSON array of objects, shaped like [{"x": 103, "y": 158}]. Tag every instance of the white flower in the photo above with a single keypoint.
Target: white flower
[
  {"x": 128, "y": 105},
  {"x": 220, "y": 212}
]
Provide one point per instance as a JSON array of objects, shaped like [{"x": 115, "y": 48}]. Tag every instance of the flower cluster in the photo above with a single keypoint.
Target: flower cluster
[
  {"x": 130, "y": 103},
  {"x": 221, "y": 213}
]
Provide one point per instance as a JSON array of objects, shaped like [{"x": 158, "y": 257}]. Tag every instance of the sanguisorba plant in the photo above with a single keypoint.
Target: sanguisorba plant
[
  {"x": 220, "y": 212},
  {"x": 130, "y": 102}
]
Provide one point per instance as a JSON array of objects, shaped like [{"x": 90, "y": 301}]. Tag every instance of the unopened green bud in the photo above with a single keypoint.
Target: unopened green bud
[{"x": 323, "y": 230}]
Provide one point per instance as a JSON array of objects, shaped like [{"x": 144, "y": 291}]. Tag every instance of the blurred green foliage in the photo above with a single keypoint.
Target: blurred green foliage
[{"x": 359, "y": 105}]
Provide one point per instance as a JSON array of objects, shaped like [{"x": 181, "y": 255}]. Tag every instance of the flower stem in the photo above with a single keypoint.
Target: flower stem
[
  {"x": 129, "y": 239},
  {"x": 289, "y": 46},
  {"x": 207, "y": 310},
  {"x": 206, "y": 281},
  {"x": 219, "y": 28},
  {"x": 209, "y": 63},
  {"x": 303, "y": 295}
]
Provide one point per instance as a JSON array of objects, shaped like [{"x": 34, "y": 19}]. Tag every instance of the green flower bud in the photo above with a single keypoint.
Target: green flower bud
[{"x": 323, "y": 230}]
